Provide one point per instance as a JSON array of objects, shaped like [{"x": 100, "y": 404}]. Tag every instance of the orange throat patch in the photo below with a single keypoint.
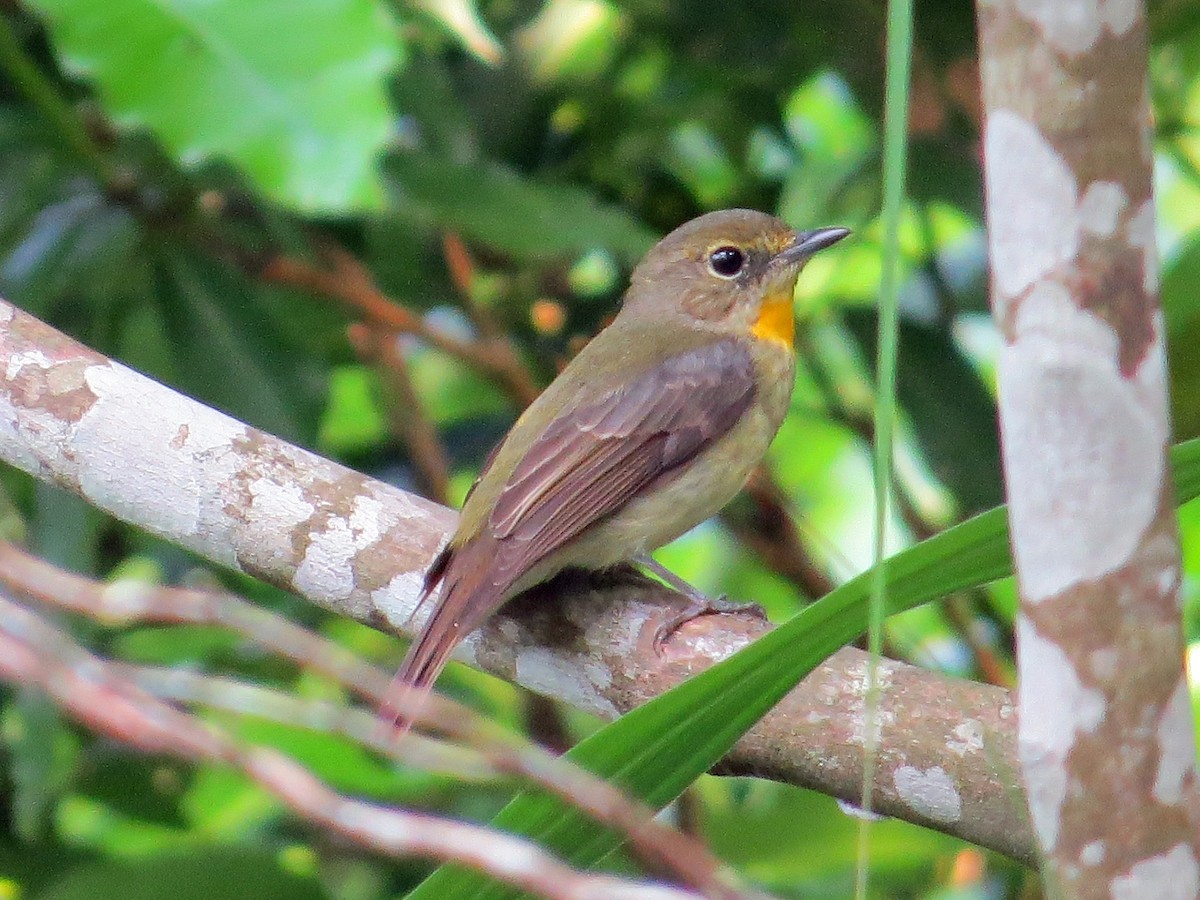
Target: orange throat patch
[{"x": 776, "y": 320}]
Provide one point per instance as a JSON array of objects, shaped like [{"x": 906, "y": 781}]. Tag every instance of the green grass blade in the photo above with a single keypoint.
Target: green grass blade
[
  {"x": 657, "y": 750},
  {"x": 895, "y": 159}
]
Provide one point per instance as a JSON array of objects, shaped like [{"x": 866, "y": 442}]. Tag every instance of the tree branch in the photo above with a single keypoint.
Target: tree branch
[
  {"x": 349, "y": 281},
  {"x": 246, "y": 500}
]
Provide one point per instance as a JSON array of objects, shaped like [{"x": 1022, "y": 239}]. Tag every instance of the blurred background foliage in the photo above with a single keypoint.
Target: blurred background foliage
[{"x": 497, "y": 170}]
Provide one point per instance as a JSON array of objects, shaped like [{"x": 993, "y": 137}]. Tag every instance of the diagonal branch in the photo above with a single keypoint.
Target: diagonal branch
[
  {"x": 246, "y": 500},
  {"x": 350, "y": 282}
]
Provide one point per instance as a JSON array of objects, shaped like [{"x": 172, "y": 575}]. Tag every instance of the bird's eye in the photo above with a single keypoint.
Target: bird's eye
[{"x": 727, "y": 262}]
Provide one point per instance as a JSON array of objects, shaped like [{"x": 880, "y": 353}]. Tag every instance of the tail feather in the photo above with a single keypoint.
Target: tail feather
[
  {"x": 425, "y": 660},
  {"x": 468, "y": 598}
]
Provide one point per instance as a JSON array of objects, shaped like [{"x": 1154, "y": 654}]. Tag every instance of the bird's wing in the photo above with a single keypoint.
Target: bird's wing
[{"x": 593, "y": 459}]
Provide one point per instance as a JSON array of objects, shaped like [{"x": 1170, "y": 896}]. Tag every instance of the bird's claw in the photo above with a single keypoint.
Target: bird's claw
[{"x": 702, "y": 606}]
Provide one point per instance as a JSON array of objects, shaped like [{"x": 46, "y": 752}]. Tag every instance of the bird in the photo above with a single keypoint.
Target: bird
[{"x": 651, "y": 429}]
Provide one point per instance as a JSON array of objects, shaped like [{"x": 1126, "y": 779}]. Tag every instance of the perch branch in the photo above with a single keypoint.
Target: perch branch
[{"x": 246, "y": 500}]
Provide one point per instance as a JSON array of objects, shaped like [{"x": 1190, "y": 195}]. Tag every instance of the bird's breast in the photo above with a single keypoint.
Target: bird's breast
[{"x": 775, "y": 376}]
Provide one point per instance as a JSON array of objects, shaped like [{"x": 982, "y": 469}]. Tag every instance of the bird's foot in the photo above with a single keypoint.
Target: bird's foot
[
  {"x": 698, "y": 604},
  {"x": 702, "y": 606}
]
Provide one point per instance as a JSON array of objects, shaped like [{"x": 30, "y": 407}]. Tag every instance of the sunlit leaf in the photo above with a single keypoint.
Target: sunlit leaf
[
  {"x": 291, "y": 91},
  {"x": 529, "y": 218},
  {"x": 461, "y": 18},
  {"x": 571, "y": 39}
]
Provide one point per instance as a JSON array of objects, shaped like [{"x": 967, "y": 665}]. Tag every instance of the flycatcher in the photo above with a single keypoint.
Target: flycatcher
[{"x": 650, "y": 430}]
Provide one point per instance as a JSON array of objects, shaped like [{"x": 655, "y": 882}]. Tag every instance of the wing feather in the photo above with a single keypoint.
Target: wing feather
[{"x": 594, "y": 459}]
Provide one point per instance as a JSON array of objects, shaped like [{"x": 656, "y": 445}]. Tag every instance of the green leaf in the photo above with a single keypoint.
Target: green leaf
[
  {"x": 134, "y": 787},
  {"x": 956, "y": 429},
  {"x": 41, "y": 763},
  {"x": 835, "y": 140},
  {"x": 1182, "y": 310},
  {"x": 353, "y": 421},
  {"x": 571, "y": 40},
  {"x": 1185, "y": 461},
  {"x": 453, "y": 394},
  {"x": 340, "y": 762},
  {"x": 61, "y": 240},
  {"x": 943, "y": 170},
  {"x": 63, "y": 528},
  {"x": 291, "y": 91},
  {"x": 26, "y": 868},
  {"x": 759, "y": 837},
  {"x": 1181, "y": 306},
  {"x": 229, "y": 350},
  {"x": 698, "y": 159},
  {"x": 655, "y": 751},
  {"x": 176, "y": 645},
  {"x": 222, "y": 872},
  {"x": 530, "y": 219}
]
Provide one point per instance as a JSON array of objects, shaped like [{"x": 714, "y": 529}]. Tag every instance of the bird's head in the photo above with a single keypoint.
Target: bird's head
[{"x": 733, "y": 271}]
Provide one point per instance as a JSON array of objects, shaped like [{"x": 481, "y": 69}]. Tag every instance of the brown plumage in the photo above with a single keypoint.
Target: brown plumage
[{"x": 648, "y": 431}]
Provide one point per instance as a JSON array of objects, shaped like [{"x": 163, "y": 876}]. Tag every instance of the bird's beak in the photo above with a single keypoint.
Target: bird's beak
[{"x": 806, "y": 244}]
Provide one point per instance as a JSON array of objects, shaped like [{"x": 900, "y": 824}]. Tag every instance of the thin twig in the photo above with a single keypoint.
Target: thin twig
[
  {"x": 462, "y": 275},
  {"x": 348, "y": 281},
  {"x": 994, "y": 668},
  {"x": 128, "y": 601},
  {"x": 184, "y": 686},
  {"x": 406, "y": 414},
  {"x": 35, "y": 653},
  {"x": 245, "y": 500}
]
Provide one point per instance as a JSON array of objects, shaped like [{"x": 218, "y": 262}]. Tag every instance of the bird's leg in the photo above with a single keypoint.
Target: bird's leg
[
  {"x": 654, "y": 567},
  {"x": 699, "y": 604}
]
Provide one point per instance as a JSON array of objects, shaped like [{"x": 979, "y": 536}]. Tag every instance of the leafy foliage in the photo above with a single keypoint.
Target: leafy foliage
[
  {"x": 301, "y": 109},
  {"x": 167, "y": 155}
]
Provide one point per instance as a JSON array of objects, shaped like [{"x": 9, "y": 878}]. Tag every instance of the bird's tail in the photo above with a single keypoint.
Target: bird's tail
[
  {"x": 468, "y": 599},
  {"x": 424, "y": 662}
]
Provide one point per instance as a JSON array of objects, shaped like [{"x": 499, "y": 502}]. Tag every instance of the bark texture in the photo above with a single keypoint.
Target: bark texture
[{"x": 1106, "y": 740}]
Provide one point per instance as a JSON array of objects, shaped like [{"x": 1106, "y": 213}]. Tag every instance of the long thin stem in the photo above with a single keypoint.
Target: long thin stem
[{"x": 895, "y": 149}]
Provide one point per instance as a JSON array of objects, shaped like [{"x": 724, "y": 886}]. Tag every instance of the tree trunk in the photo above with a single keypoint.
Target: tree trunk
[{"x": 1106, "y": 738}]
